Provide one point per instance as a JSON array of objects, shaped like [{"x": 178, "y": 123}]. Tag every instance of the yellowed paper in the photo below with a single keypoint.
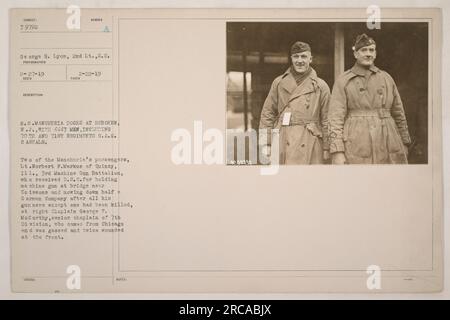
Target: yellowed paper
[{"x": 120, "y": 171}]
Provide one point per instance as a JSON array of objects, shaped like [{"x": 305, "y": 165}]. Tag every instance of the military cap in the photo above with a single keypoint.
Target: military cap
[
  {"x": 300, "y": 47},
  {"x": 363, "y": 40}
]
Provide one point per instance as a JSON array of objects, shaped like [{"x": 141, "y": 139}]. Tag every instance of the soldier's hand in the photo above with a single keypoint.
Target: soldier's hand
[
  {"x": 326, "y": 155},
  {"x": 338, "y": 158},
  {"x": 405, "y": 147}
]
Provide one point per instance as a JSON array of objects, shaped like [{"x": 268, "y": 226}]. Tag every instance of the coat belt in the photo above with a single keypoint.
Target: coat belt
[
  {"x": 380, "y": 112},
  {"x": 312, "y": 125},
  {"x": 301, "y": 121}
]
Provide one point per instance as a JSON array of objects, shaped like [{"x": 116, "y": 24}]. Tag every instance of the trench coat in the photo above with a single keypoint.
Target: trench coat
[
  {"x": 366, "y": 118},
  {"x": 306, "y": 137}
]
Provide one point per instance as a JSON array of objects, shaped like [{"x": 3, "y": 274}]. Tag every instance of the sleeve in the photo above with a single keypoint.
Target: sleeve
[
  {"x": 398, "y": 113},
  {"x": 269, "y": 112},
  {"x": 324, "y": 105},
  {"x": 336, "y": 116}
]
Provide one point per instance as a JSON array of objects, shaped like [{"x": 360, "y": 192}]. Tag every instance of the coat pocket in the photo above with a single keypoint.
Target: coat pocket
[
  {"x": 358, "y": 141},
  {"x": 394, "y": 142}
]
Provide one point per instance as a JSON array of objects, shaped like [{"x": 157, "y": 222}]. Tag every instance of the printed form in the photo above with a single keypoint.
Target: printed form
[{"x": 119, "y": 184}]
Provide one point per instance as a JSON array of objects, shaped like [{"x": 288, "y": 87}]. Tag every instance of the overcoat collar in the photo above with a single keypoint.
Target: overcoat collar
[
  {"x": 289, "y": 84},
  {"x": 361, "y": 71}
]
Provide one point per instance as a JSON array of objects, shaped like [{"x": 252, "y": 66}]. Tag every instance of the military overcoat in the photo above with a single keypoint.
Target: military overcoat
[
  {"x": 305, "y": 138},
  {"x": 366, "y": 118}
]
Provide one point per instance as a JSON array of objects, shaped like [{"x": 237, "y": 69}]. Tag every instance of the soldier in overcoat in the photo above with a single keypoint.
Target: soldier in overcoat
[
  {"x": 366, "y": 116},
  {"x": 297, "y": 105}
]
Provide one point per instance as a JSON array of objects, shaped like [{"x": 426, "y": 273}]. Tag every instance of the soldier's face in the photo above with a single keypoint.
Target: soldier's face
[
  {"x": 301, "y": 61},
  {"x": 366, "y": 56}
]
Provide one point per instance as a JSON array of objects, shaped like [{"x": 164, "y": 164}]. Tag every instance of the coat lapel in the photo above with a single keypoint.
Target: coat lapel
[
  {"x": 290, "y": 89},
  {"x": 304, "y": 88},
  {"x": 307, "y": 86},
  {"x": 288, "y": 83}
]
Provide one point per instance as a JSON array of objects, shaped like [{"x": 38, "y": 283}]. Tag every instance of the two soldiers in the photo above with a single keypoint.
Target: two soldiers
[{"x": 362, "y": 123}]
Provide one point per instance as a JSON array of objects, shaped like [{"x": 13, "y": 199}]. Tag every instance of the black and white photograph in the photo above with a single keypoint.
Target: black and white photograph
[{"x": 335, "y": 92}]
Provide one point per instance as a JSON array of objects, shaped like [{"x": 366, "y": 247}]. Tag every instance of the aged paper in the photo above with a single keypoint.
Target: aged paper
[{"x": 120, "y": 170}]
